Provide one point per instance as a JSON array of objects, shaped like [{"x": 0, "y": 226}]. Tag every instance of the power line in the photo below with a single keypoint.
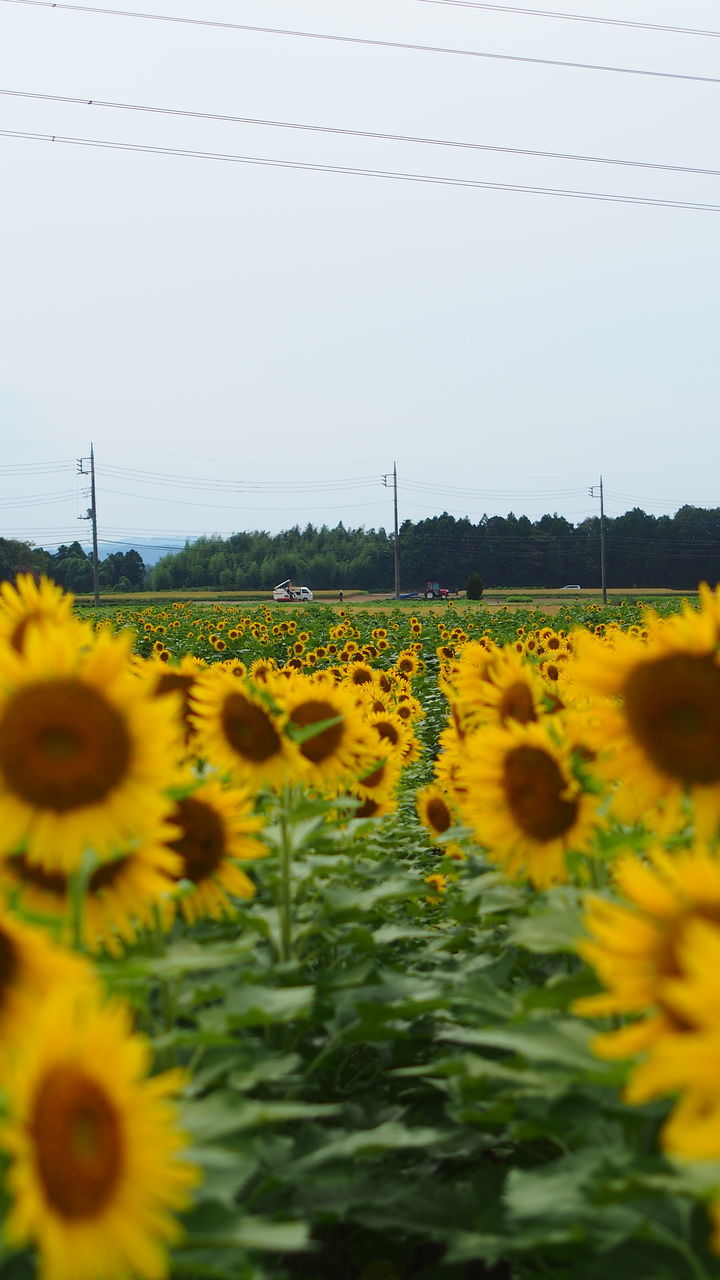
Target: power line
[
  {"x": 368, "y": 41},
  {"x": 305, "y": 166},
  {"x": 236, "y": 486},
  {"x": 221, "y": 506},
  {"x": 354, "y": 133},
  {"x": 574, "y": 17}
]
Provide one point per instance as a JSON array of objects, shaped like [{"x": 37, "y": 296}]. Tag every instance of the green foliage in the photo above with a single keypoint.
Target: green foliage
[
  {"x": 641, "y": 551},
  {"x": 474, "y": 587},
  {"x": 388, "y": 1084}
]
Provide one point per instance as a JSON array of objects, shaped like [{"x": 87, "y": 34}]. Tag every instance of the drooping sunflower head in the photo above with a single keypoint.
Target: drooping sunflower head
[
  {"x": 122, "y": 895},
  {"x": 86, "y": 754}
]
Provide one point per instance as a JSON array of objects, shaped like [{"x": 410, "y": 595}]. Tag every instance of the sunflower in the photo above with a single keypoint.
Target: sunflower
[
  {"x": 394, "y": 733},
  {"x": 97, "y": 1167},
  {"x": 217, "y": 830},
  {"x": 407, "y": 663},
  {"x": 30, "y": 964},
  {"x": 241, "y": 729},
  {"x": 329, "y": 728},
  {"x": 524, "y": 802},
  {"x": 437, "y": 818},
  {"x": 28, "y": 601},
  {"x": 178, "y": 680},
  {"x": 85, "y": 752},
  {"x": 503, "y": 687},
  {"x": 661, "y": 734},
  {"x": 636, "y": 946},
  {"x": 121, "y": 895}
]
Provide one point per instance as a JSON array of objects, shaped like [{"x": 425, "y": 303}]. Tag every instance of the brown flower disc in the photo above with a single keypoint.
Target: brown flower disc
[
  {"x": 533, "y": 784},
  {"x": 673, "y": 710},
  {"x": 202, "y": 843},
  {"x": 326, "y": 741},
  {"x": 78, "y": 1143},
  {"x": 62, "y": 745},
  {"x": 249, "y": 729}
]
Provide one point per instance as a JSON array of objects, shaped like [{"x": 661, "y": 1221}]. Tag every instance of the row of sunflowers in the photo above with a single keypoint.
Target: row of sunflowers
[{"x": 358, "y": 944}]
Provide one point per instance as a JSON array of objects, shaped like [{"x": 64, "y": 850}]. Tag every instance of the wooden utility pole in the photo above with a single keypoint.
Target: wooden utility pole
[{"x": 92, "y": 515}]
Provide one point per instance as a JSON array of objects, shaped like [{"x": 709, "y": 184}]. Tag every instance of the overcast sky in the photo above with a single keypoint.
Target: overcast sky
[{"x": 284, "y": 335}]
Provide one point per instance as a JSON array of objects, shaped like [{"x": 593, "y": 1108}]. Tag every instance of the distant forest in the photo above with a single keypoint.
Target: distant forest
[{"x": 641, "y": 550}]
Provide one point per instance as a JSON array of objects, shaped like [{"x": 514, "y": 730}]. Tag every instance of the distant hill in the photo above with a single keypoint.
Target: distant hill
[{"x": 151, "y": 549}]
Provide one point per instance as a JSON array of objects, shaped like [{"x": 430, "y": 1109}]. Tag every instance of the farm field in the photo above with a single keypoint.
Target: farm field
[{"x": 373, "y": 942}]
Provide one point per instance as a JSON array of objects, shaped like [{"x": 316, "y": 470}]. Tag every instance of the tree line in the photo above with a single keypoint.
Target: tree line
[
  {"x": 72, "y": 567},
  {"x": 641, "y": 550},
  {"x": 506, "y": 551}
]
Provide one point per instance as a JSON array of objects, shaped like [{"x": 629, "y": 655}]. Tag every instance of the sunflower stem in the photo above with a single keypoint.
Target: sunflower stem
[
  {"x": 79, "y": 881},
  {"x": 286, "y": 875}
]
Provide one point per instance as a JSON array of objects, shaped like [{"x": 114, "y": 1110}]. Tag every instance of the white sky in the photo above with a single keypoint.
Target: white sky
[{"x": 287, "y": 335}]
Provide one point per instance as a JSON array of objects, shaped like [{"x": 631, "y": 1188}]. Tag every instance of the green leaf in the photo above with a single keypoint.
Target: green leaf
[
  {"x": 563, "y": 1042},
  {"x": 391, "y": 1136},
  {"x": 259, "y": 1006}
]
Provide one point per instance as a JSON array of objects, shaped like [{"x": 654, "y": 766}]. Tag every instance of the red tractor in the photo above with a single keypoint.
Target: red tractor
[{"x": 433, "y": 591}]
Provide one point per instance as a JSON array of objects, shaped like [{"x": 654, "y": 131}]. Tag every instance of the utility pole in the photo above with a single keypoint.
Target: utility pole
[
  {"x": 385, "y": 480},
  {"x": 599, "y": 487},
  {"x": 92, "y": 515}
]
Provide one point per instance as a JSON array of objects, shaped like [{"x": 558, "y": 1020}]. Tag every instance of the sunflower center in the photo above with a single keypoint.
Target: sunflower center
[
  {"x": 176, "y": 682},
  {"x": 9, "y": 963},
  {"x": 517, "y": 703},
  {"x": 438, "y": 815},
  {"x": 388, "y": 731},
  {"x": 326, "y": 741},
  {"x": 673, "y": 710},
  {"x": 78, "y": 1143},
  {"x": 202, "y": 843},
  {"x": 62, "y": 745},
  {"x": 249, "y": 729},
  {"x": 534, "y": 787}
]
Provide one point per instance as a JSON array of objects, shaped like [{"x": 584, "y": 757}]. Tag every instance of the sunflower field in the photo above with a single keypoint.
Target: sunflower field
[{"x": 359, "y": 944}]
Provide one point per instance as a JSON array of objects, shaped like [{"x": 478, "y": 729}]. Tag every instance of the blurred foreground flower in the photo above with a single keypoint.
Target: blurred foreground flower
[{"x": 97, "y": 1168}]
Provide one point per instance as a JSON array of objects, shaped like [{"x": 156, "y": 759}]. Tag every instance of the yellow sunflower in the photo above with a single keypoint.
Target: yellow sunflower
[
  {"x": 660, "y": 734},
  {"x": 121, "y": 895},
  {"x": 217, "y": 830},
  {"x": 241, "y": 729},
  {"x": 636, "y": 945},
  {"x": 686, "y": 1061},
  {"x": 30, "y": 964},
  {"x": 504, "y": 688},
  {"x": 167, "y": 679},
  {"x": 97, "y": 1168},
  {"x": 437, "y": 817},
  {"x": 28, "y": 601},
  {"x": 330, "y": 731},
  {"x": 85, "y": 752},
  {"x": 523, "y": 801},
  {"x": 394, "y": 733}
]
